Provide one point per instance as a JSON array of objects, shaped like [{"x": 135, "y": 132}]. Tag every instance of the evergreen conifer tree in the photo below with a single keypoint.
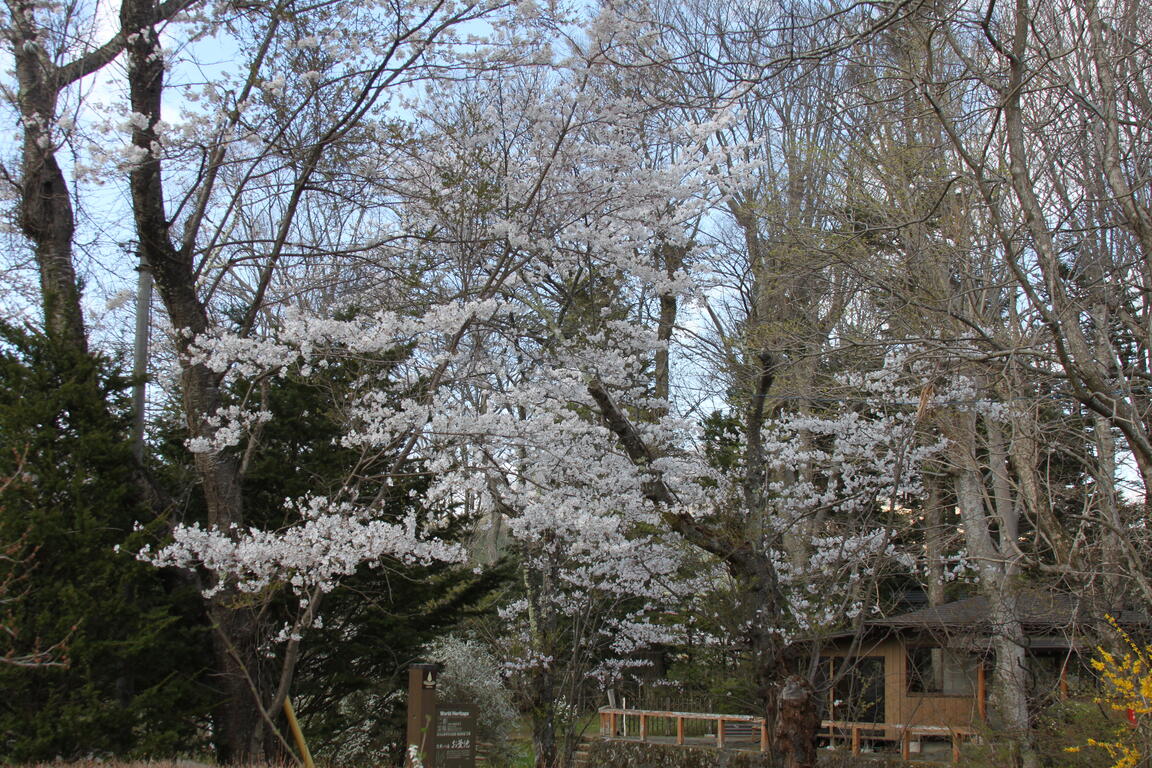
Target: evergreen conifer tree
[{"x": 131, "y": 638}]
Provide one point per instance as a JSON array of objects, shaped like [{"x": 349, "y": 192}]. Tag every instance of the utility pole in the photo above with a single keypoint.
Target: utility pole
[{"x": 140, "y": 357}]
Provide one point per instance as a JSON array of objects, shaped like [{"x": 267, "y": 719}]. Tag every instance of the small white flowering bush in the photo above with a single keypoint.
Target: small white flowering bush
[{"x": 471, "y": 674}]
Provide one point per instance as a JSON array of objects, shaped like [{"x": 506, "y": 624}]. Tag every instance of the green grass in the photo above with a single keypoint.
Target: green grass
[{"x": 523, "y": 755}]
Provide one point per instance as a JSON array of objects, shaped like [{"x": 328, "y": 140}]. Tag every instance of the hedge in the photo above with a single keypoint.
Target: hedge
[{"x": 635, "y": 754}]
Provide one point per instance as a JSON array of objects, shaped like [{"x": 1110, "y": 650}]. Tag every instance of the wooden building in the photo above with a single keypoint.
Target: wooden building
[{"x": 925, "y": 672}]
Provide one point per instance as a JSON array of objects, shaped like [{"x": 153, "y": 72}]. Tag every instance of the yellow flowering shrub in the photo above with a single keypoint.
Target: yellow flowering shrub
[{"x": 1126, "y": 682}]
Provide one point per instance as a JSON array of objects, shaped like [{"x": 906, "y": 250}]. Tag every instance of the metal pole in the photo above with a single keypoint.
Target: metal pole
[{"x": 140, "y": 358}]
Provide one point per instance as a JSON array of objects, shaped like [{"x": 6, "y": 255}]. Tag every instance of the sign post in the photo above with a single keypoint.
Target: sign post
[
  {"x": 421, "y": 715},
  {"x": 439, "y": 735}
]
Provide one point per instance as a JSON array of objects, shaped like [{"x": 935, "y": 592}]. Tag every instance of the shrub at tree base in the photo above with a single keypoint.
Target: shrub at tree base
[
  {"x": 1126, "y": 680},
  {"x": 632, "y": 754}
]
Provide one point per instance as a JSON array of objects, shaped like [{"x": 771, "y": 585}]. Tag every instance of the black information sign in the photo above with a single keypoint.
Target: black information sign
[{"x": 455, "y": 736}]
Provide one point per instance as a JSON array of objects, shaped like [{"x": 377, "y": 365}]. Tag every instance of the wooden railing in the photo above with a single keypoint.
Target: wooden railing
[
  {"x": 614, "y": 724},
  {"x": 905, "y": 735}
]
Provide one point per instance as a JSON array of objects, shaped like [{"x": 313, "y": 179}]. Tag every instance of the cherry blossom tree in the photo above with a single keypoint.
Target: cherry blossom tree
[
  {"x": 537, "y": 396},
  {"x": 461, "y": 352},
  {"x": 542, "y": 245},
  {"x": 312, "y": 87}
]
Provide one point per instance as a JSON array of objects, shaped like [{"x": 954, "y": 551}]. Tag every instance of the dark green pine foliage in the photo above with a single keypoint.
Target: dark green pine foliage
[
  {"x": 355, "y": 669},
  {"x": 130, "y": 641}
]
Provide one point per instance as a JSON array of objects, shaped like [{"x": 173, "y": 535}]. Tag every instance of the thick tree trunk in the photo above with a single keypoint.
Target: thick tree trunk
[
  {"x": 1010, "y": 678},
  {"x": 998, "y": 568},
  {"x": 45, "y": 210},
  {"x": 672, "y": 257},
  {"x": 544, "y": 721},
  {"x": 542, "y": 693},
  {"x": 797, "y": 722},
  {"x": 239, "y": 724},
  {"x": 934, "y": 527}
]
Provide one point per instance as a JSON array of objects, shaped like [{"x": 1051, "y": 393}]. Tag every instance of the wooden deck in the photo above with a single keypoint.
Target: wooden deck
[{"x": 749, "y": 732}]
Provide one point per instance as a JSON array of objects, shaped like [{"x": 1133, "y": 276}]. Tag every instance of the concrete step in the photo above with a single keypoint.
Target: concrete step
[{"x": 583, "y": 750}]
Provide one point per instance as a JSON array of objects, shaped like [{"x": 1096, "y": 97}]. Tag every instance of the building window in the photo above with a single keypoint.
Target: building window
[
  {"x": 941, "y": 670},
  {"x": 854, "y": 688}
]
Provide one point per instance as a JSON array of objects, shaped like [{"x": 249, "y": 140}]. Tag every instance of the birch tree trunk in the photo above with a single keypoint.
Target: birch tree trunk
[{"x": 989, "y": 535}]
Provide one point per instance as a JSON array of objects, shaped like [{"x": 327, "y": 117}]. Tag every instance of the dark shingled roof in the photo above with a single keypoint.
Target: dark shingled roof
[{"x": 1037, "y": 609}]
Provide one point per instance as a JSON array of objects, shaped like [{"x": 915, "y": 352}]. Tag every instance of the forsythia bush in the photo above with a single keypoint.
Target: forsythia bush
[{"x": 1127, "y": 683}]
